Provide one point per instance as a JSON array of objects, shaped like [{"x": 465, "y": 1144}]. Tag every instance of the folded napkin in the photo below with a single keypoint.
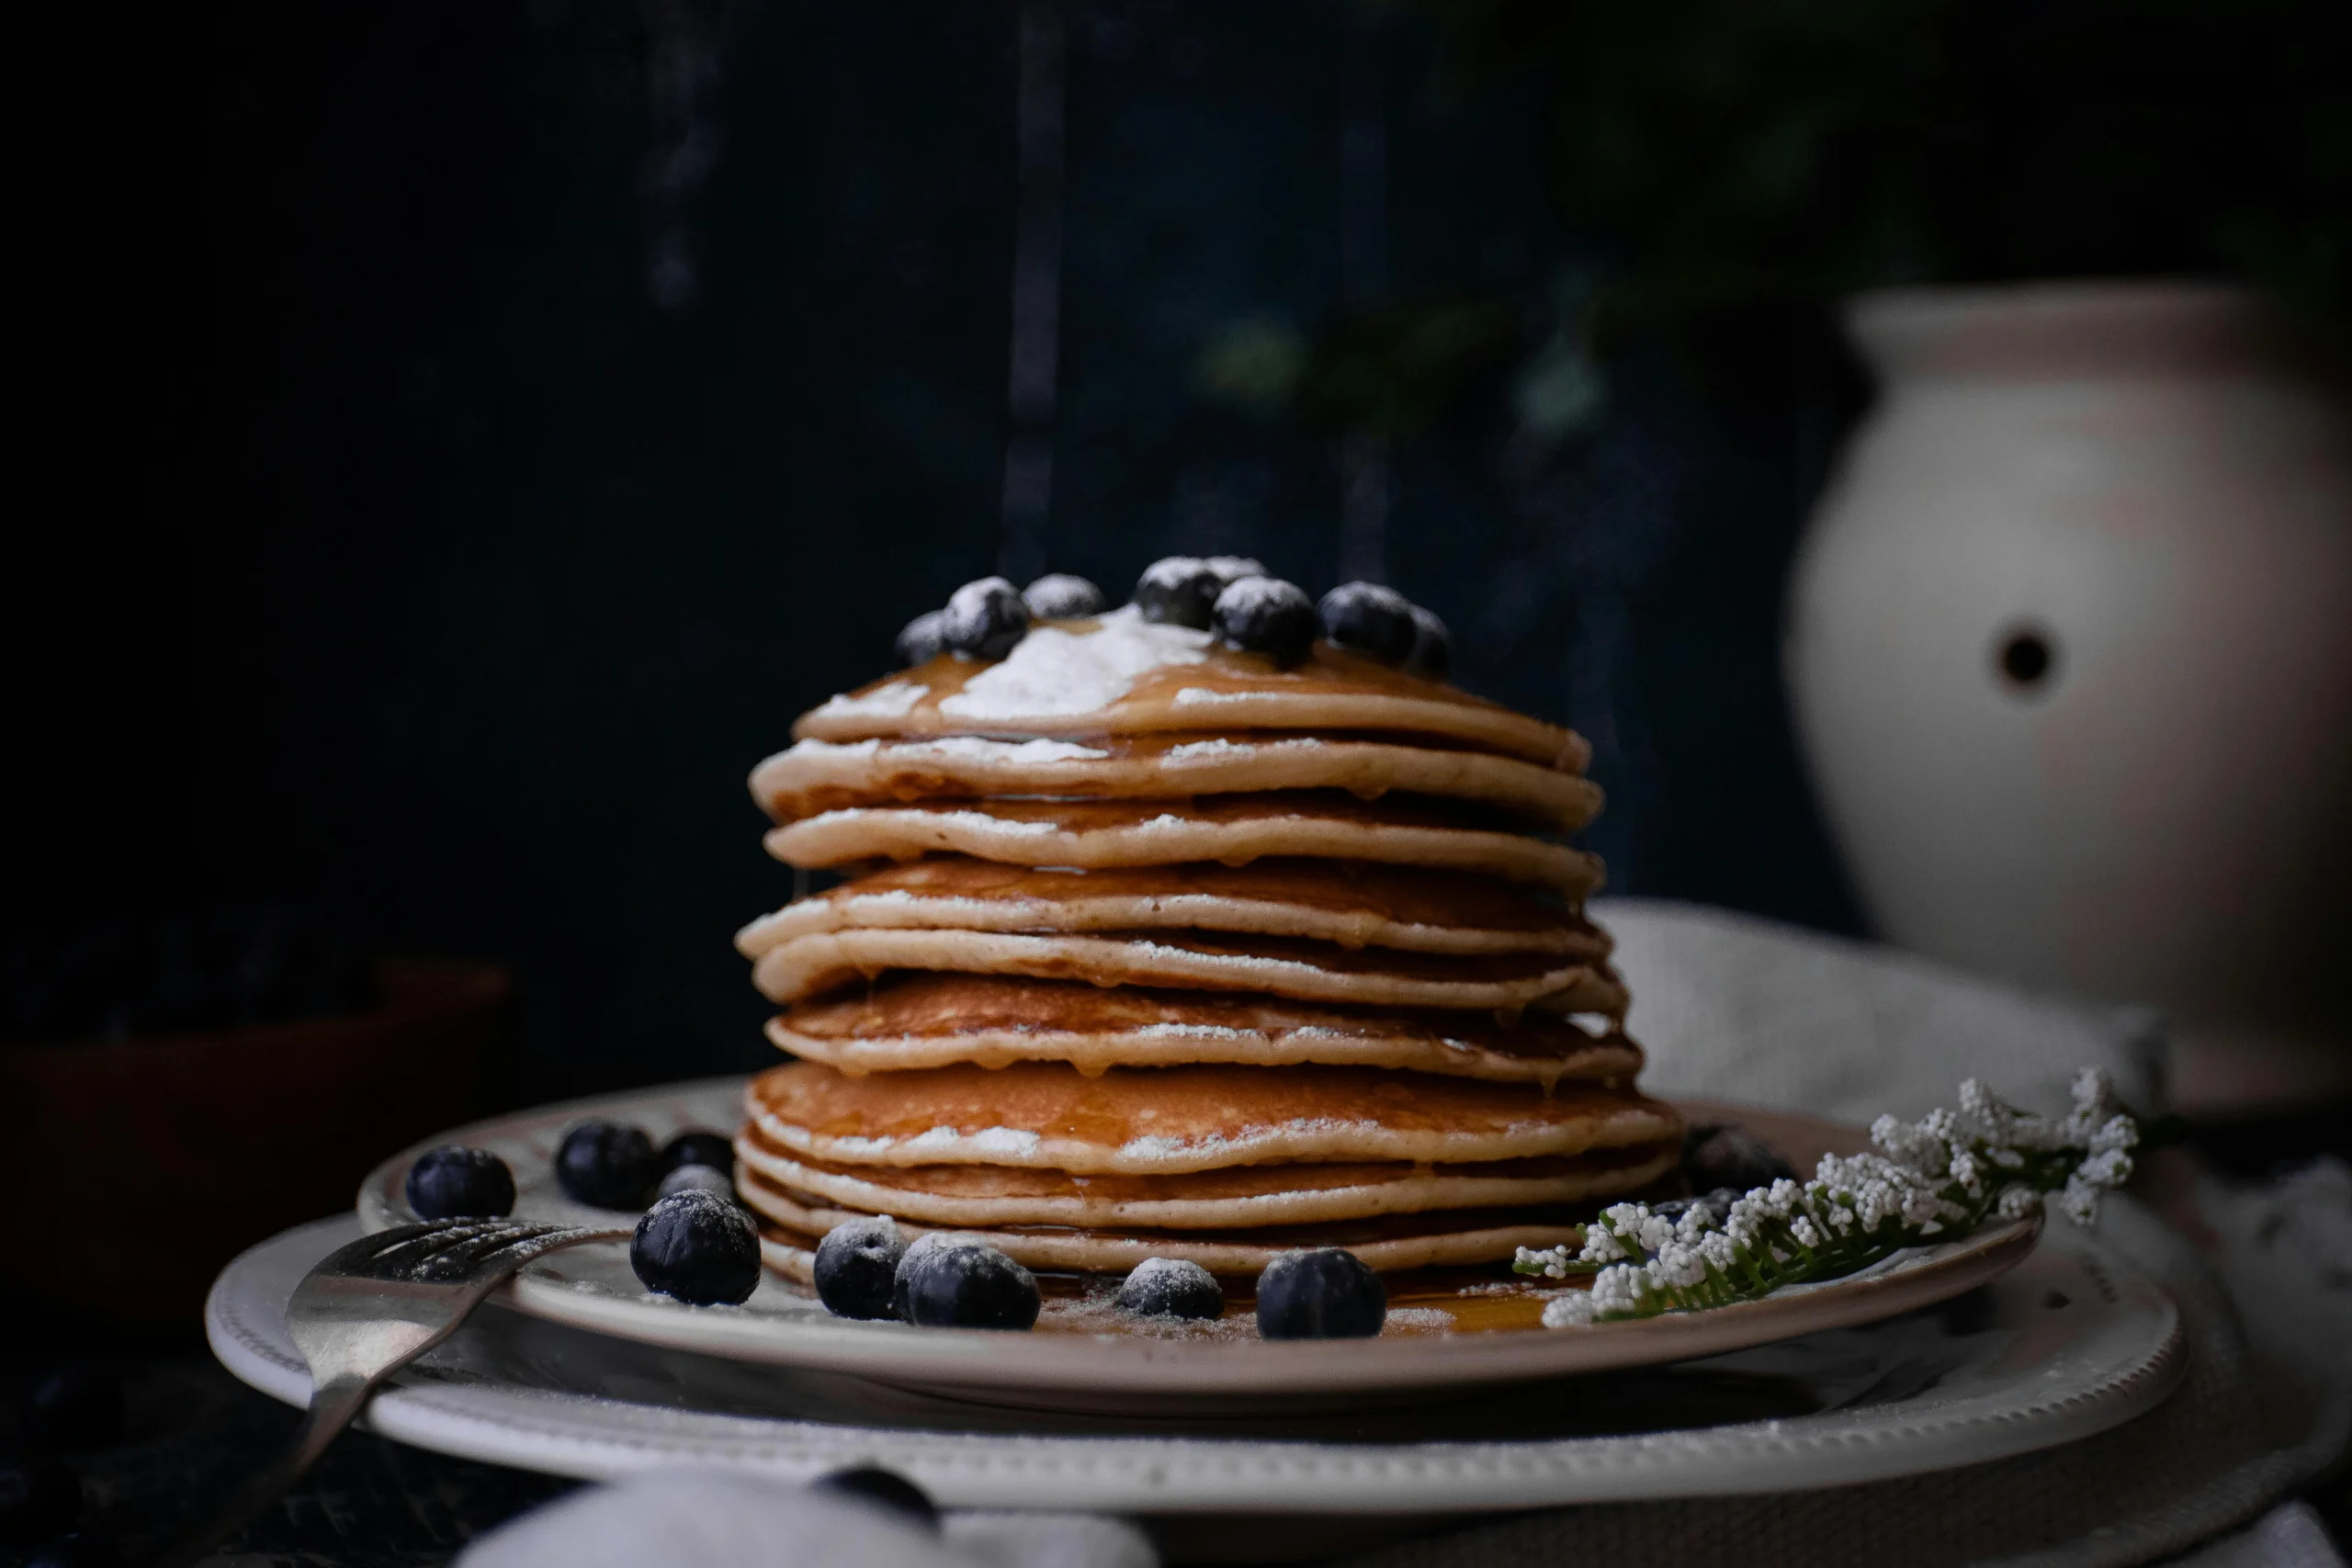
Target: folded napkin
[
  {"x": 716, "y": 1518},
  {"x": 1731, "y": 1007}
]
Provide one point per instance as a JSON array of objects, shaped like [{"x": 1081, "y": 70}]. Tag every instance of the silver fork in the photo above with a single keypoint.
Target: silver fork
[{"x": 368, "y": 1310}]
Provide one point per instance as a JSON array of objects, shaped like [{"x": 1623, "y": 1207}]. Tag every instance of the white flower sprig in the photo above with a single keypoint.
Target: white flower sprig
[{"x": 1937, "y": 1179}]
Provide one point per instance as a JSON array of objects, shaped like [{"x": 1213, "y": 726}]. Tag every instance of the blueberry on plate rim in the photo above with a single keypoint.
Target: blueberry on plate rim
[
  {"x": 947, "y": 1280},
  {"x": 456, "y": 1182},
  {"x": 856, "y": 1264},
  {"x": 697, "y": 1247},
  {"x": 1726, "y": 1154},
  {"x": 697, "y": 1145},
  {"x": 1171, "y": 1286},
  {"x": 605, "y": 1165},
  {"x": 1328, "y": 1294},
  {"x": 924, "y": 638},
  {"x": 984, "y": 619},
  {"x": 1366, "y": 618},
  {"x": 1265, "y": 614},
  {"x": 1061, "y": 596}
]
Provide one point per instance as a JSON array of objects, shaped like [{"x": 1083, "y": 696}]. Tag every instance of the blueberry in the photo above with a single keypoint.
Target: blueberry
[
  {"x": 1324, "y": 1294},
  {"x": 1725, "y": 1154},
  {"x": 1171, "y": 1286},
  {"x": 1265, "y": 614},
  {"x": 697, "y": 1247},
  {"x": 885, "y": 1488},
  {"x": 855, "y": 1265},
  {"x": 1432, "y": 652},
  {"x": 1181, "y": 591},
  {"x": 454, "y": 1180},
  {"x": 697, "y": 1178},
  {"x": 76, "y": 1406},
  {"x": 715, "y": 1150},
  {"x": 38, "y": 1497},
  {"x": 79, "y": 1549},
  {"x": 1364, "y": 617},
  {"x": 950, "y": 1281},
  {"x": 605, "y": 1164},
  {"x": 1058, "y": 596},
  {"x": 924, "y": 638},
  {"x": 984, "y": 619}
]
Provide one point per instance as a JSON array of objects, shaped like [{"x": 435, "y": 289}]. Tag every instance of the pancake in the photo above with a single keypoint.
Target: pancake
[
  {"x": 823, "y": 776},
  {"x": 912, "y": 1021},
  {"x": 1120, "y": 674},
  {"x": 1135, "y": 1121},
  {"x": 1350, "y": 903},
  {"x": 1387, "y": 1243},
  {"x": 1230, "y": 829},
  {"x": 1307, "y": 971},
  {"x": 1239, "y": 1197}
]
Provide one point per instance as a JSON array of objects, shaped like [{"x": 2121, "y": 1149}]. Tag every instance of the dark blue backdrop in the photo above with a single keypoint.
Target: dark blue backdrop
[{"x": 474, "y": 430}]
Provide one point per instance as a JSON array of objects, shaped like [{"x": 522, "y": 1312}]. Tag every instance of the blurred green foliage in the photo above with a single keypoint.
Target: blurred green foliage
[
  {"x": 1724, "y": 157},
  {"x": 1728, "y": 152}
]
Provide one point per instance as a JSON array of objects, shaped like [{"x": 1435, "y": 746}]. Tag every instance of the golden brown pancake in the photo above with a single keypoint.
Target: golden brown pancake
[
  {"x": 1229, "y": 830},
  {"x": 1281, "y": 967},
  {"x": 824, "y": 775},
  {"x": 1388, "y": 1242},
  {"x": 1238, "y": 1197},
  {"x": 1120, "y": 675},
  {"x": 1145, "y": 1122},
  {"x": 1153, "y": 949},
  {"x": 917, "y": 1021},
  {"x": 1352, "y": 903}
]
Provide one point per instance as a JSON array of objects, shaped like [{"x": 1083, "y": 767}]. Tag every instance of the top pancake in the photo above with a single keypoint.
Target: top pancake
[
  {"x": 823, "y": 775},
  {"x": 1119, "y": 674}
]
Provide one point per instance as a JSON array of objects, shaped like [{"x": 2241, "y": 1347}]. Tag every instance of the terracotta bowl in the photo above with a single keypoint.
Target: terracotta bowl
[{"x": 135, "y": 1171}]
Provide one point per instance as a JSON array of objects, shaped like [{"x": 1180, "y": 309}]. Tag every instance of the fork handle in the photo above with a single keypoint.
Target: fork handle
[{"x": 334, "y": 1404}]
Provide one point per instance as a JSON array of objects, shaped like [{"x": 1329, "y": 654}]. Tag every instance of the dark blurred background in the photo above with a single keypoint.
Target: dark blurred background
[{"x": 455, "y": 440}]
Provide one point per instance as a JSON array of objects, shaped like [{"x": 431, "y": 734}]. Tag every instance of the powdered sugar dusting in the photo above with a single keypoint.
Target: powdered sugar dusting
[
  {"x": 1193, "y": 749},
  {"x": 972, "y": 748},
  {"x": 1001, "y": 1141},
  {"x": 894, "y": 701},
  {"x": 953, "y": 748},
  {"x": 1057, "y": 673}
]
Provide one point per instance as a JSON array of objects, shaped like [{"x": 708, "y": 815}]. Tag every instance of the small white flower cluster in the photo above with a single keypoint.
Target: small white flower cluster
[{"x": 1937, "y": 1179}]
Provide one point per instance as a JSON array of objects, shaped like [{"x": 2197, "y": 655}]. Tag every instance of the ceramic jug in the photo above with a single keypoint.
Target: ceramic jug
[{"x": 2069, "y": 647}]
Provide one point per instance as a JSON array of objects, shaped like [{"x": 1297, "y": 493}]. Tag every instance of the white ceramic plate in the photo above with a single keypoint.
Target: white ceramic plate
[
  {"x": 1210, "y": 1368},
  {"x": 2073, "y": 1341}
]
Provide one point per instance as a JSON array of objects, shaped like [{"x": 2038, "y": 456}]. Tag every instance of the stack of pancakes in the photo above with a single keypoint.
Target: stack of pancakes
[{"x": 1149, "y": 948}]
